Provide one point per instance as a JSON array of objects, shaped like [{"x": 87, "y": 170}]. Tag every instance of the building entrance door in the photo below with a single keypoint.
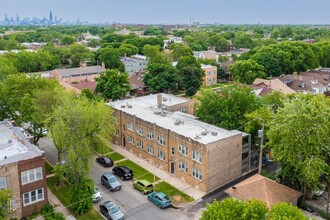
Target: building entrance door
[
  {"x": 123, "y": 141},
  {"x": 172, "y": 167}
]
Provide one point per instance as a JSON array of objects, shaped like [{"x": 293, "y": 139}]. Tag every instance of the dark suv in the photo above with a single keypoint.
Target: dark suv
[
  {"x": 104, "y": 161},
  {"x": 123, "y": 172}
]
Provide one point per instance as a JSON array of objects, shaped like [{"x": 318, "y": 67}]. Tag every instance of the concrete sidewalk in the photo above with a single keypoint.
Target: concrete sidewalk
[
  {"x": 58, "y": 206},
  {"x": 182, "y": 186}
]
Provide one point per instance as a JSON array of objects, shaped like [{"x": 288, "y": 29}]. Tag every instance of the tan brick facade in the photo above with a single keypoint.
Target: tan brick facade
[{"x": 210, "y": 77}]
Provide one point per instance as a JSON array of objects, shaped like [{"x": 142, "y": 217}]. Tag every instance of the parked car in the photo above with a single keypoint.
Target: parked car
[
  {"x": 123, "y": 172},
  {"x": 110, "y": 181},
  {"x": 159, "y": 199},
  {"x": 143, "y": 185},
  {"x": 104, "y": 161},
  {"x": 97, "y": 195},
  {"x": 111, "y": 211}
]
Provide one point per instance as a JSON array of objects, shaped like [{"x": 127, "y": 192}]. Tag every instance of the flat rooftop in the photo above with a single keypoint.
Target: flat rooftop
[
  {"x": 80, "y": 70},
  {"x": 14, "y": 146},
  {"x": 184, "y": 124}
]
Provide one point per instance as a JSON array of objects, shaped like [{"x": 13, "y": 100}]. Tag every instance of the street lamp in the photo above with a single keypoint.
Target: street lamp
[{"x": 261, "y": 142}]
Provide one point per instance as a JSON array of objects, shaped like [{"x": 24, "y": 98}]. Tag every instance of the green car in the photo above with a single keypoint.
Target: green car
[{"x": 143, "y": 185}]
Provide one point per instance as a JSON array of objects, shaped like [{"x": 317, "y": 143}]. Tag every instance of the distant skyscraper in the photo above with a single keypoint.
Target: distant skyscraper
[{"x": 51, "y": 16}]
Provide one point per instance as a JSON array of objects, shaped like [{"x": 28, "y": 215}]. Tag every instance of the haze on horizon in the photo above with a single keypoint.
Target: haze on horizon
[{"x": 174, "y": 11}]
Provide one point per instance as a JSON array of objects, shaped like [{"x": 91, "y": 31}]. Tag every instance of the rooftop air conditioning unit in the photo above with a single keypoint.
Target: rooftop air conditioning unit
[
  {"x": 204, "y": 133},
  {"x": 129, "y": 106},
  {"x": 214, "y": 133},
  {"x": 163, "y": 113},
  {"x": 122, "y": 106},
  {"x": 157, "y": 112},
  {"x": 177, "y": 122}
]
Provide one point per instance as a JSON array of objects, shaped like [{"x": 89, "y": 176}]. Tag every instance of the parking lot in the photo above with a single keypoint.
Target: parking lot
[{"x": 131, "y": 201}]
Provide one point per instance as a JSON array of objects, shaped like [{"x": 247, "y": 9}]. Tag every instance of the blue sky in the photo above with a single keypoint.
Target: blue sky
[{"x": 175, "y": 11}]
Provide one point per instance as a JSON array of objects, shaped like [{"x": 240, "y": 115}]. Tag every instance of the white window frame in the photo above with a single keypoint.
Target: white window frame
[
  {"x": 183, "y": 166},
  {"x": 196, "y": 173},
  {"x": 3, "y": 183},
  {"x": 130, "y": 139},
  {"x": 183, "y": 150},
  {"x": 161, "y": 154},
  {"x": 139, "y": 130},
  {"x": 34, "y": 194},
  {"x": 36, "y": 173},
  {"x": 150, "y": 135},
  {"x": 139, "y": 144},
  {"x": 161, "y": 140},
  {"x": 150, "y": 149},
  {"x": 172, "y": 151},
  {"x": 196, "y": 156},
  {"x": 130, "y": 126}
]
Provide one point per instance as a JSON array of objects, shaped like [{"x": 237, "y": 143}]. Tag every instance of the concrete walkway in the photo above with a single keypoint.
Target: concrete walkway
[
  {"x": 182, "y": 186},
  {"x": 58, "y": 206}
]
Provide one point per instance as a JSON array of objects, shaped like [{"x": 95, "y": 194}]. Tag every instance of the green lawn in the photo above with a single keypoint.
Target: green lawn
[
  {"x": 62, "y": 193},
  {"x": 139, "y": 172},
  {"x": 115, "y": 156},
  {"x": 49, "y": 169},
  {"x": 171, "y": 192}
]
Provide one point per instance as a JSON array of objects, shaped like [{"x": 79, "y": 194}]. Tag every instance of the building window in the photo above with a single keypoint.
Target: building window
[
  {"x": 172, "y": 151},
  {"x": 139, "y": 144},
  {"x": 124, "y": 128},
  {"x": 130, "y": 139},
  {"x": 183, "y": 166},
  {"x": 139, "y": 130},
  {"x": 197, "y": 173},
  {"x": 150, "y": 135},
  {"x": 117, "y": 132},
  {"x": 150, "y": 149},
  {"x": 3, "y": 183},
  {"x": 196, "y": 156},
  {"x": 33, "y": 196},
  {"x": 31, "y": 175},
  {"x": 130, "y": 126},
  {"x": 161, "y": 140},
  {"x": 184, "y": 110},
  {"x": 161, "y": 155},
  {"x": 183, "y": 150}
]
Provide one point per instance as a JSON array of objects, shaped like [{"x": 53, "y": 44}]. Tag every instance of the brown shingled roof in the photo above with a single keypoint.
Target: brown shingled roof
[
  {"x": 263, "y": 189},
  {"x": 85, "y": 85}
]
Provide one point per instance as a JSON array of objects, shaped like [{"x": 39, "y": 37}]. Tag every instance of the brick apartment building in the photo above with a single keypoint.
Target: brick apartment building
[
  {"x": 155, "y": 128},
  {"x": 22, "y": 171},
  {"x": 211, "y": 75}
]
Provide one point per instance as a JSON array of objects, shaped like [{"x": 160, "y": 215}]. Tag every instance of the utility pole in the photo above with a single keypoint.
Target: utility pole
[{"x": 261, "y": 142}]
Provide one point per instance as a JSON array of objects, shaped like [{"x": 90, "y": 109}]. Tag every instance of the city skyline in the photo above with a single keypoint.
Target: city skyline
[{"x": 172, "y": 12}]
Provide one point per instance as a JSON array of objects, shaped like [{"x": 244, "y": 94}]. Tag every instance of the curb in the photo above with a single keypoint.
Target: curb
[{"x": 187, "y": 204}]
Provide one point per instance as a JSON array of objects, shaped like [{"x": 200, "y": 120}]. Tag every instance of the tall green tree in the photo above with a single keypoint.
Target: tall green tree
[
  {"x": 79, "y": 54},
  {"x": 219, "y": 43},
  {"x": 180, "y": 50},
  {"x": 113, "y": 84},
  {"x": 67, "y": 40},
  {"x": 161, "y": 77},
  {"x": 246, "y": 71},
  {"x": 128, "y": 50},
  {"x": 6, "y": 68},
  {"x": 191, "y": 79},
  {"x": 300, "y": 141},
  {"x": 111, "y": 58},
  {"x": 283, "y": 211},
  {"x": 228, "y": 109},
  {"x": 5, "y": 196}
]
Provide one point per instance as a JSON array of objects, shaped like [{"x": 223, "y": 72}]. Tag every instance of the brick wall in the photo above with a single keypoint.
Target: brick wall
[{"x": 27, "y": 165}]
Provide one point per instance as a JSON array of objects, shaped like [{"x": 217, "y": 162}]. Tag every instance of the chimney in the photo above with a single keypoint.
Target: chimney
[
  {"x": 103, "y": 64},
  {"x": 159, "y": 101}
]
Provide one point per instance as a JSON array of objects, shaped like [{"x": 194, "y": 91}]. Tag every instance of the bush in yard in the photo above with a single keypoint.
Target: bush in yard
[{"x": 82, "y": 192}]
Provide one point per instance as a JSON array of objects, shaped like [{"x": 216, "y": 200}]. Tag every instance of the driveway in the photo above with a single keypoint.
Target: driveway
[{"x": 131, "y": 201}]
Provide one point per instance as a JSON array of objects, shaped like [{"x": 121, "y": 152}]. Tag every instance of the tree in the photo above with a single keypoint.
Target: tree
[
  {"x": 274, "y": 100},
  {"x": 93, "y": 43},
  {"x": 79, "y": 54},
  {"x": 161, "y": 77},
  {"x": 191, "y": 79},
  {"x": 111, "y": 58},
  {"x": 246, "y": 71},
  {"x": 299, "y": 139},
  {"x": 235, "y": 209},
  {"x": 128, "y": 50},
  {"x": 81, "y": 195},
  {"x": 187, "y": 61},
  {"x": 155, "y": 55},
  {"x": 5, "y": 196},
  {"x": 179, "y": 50},
  {"x": 113, "y": 84},
  {"x": 67, "y": 40},
  {"x": 228, "y": 109},
  {"x": 243, "y": 40},
  {"x": 219, "y": 43},
  {"x": 79, "y": 128},
  {"x": 283, "y": 211},
  {"x": 6, "y": 68}
]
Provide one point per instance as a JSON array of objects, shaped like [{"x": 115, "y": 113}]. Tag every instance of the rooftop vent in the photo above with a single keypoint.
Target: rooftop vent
[
  {"x": 164, "y": 99},
  {"x": 157, "y": 112},
  {"x": 163, "y": 113},
  {"x": 214, "y": 133},
  {"x": 129, "y": 105},
  {"x": 204, "y": 133},
  {"x": 122, "y": 106},
  {"x": 10, "y": 141},
  {"x": 177, "y": 122}
]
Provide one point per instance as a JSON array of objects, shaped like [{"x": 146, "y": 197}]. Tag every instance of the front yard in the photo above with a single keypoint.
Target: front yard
[
  {"x": 176, "y": 195},
  {"x": 63, "y": 194}
]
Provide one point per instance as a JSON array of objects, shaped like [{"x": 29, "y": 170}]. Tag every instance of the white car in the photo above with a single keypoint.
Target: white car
[{"x": 97, "y": 195}]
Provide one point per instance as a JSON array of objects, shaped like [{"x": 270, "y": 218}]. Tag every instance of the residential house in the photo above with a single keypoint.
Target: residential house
[
  {"x": 22, "y": 171},
  {"x": 210, "y": 54},
  {"x": 172, "y": 40},
  {"x": 137, "y": 85},
  {"x": 265, "y": 190},
  {"x": 88, "y": 36},
  {"x": 135, "y": 63},
  {"x": 76, "y": 79},
  {"x": 210, "y": 74},
  {"x": 315, "y": 82},
  {"x": 263, "y": 86},
  {"x": 156, "y": 128}
]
